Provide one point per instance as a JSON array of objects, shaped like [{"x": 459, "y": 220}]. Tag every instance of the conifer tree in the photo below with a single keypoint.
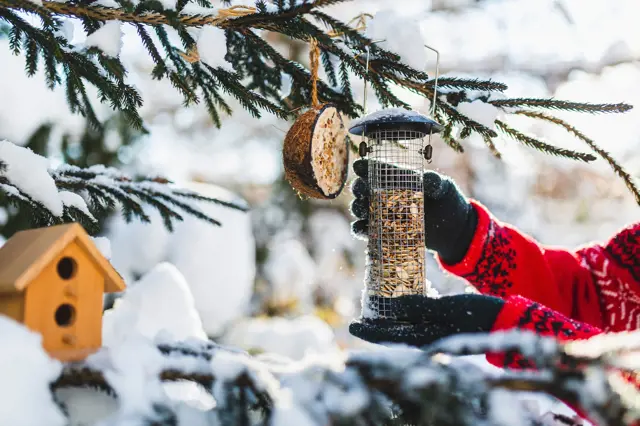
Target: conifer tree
[
  {"x": 389, "y": 387},
  {"x": 252, "y": 69}
]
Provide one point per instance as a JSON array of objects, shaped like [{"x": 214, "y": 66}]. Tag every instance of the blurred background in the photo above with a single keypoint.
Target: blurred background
[{"x": 286, "y": 278}]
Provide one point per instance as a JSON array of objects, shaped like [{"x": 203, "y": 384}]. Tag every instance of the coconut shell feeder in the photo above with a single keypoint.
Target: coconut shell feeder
[{"x": 315, "y": 153}]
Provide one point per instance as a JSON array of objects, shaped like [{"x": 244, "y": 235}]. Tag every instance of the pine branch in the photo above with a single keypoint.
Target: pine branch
[
  {"x": 456, "y": 117},
  {"x": 447, "y": 135},
  {"x": 257, "y": 66},
  {"x": 492, "y": 147},
  {"x": 424, "y": 388},
  {"x": 542, "y": 146},
  {"x": 617, "y": 168},
  {"x": 468, "y": 84},
  {"x": 561, "y": 105},
  {"x": 134, "y": 193},
  {"x": 106, "y": 189},
  {"x": 60, "y": 60}
]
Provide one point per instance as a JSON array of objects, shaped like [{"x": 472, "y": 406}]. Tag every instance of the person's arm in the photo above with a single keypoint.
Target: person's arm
[
  {"x": 615, "y": 268},
  {"x": 523, "y": 314},
  {"x": 420, "y": 321},
  {"x": 502, "y": 261}
]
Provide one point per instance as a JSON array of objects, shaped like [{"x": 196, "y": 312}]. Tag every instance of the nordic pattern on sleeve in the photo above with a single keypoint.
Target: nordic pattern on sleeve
[
  {"x": 492, "y": 273},
  {"x": 618, "y": 290},
  {"x": 624, "y": 248},
  {"x": 546, "y": 322}
]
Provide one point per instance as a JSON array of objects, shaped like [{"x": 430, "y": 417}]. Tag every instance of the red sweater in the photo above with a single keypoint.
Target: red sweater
[{"x": 555, "y": 292}]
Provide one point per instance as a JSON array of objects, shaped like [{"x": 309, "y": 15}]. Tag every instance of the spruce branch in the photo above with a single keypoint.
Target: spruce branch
[
  {"x": 424, "y": 388},
  {"x": 447, "y": 135},
  {"x": 106, "y": 74},
  {"x": 258, "y": 68},
  {"x": 617, "y": 168},
  {"x": 492, "y": 147},
  {"x": 542, "y": 146},
  {"x": 561, "y": 105},
  {"x": 456, "y": 117},
  {"x": 106, "y": 189},
  {"x": 468, "y": 84}
]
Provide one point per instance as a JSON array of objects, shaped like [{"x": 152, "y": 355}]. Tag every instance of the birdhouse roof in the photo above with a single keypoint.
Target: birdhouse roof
[{"x": 27, "y": 253}]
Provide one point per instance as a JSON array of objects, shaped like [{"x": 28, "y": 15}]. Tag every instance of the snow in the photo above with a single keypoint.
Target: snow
[
  {"x": 71, "y": 199},
  {"x": 506, "y": 409},
  {"x": 28, "y": 172},
  {"x": 216, "y": 262},
  {"x": 160, "y": 303},
  {"x": 26, "y": 372},
  {"x": 66, "y": 29},
  {"x": 20, "y": 116},
  {"x": 133, "y": 372},
  {"x": 399, "y": 35},
  {"x": 107, "y": 38},
  {"x": 104, "y": 245},
  {"x": 86, "y": 406},
  {"x": 286, "y": 412},
  {"x": 482, "y": 112},
  {"x": 212, "y": 47},
  {"x": 291, "y": 272},
  {"x": 294, "y": 338},
  {"x": 386, "y": 114}
]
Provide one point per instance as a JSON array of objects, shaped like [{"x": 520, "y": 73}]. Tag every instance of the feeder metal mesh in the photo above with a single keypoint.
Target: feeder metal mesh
[{"x": 396, "y": 245}]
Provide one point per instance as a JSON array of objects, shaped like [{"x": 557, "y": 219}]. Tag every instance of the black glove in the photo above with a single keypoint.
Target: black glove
[
  {"x": 419, "y": 321},
  {"x": 450, "y": 220}
]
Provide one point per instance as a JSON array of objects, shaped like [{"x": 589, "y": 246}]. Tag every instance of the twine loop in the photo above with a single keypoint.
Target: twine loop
[
  {"x": 314, "y": 53},
  {"x": 314, "y": 59}
]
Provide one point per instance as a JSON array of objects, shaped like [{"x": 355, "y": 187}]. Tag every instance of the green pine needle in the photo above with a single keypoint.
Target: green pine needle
[
  {"x": 258, "y": 67},
  {"x": 468, "y": 84},
  {"x": 555, "y": 104},
  {"x": 108, "y": 188},
  {"x": 542, "y": 146}
]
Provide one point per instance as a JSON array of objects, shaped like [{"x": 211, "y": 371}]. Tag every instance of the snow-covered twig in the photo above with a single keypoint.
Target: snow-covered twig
[
  {"x": 52, "y": 196},
  {"x": 390, "y": 386}
]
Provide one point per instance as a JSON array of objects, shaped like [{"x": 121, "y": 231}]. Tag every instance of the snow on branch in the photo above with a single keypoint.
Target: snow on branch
[
  {"x": 53, "y": 196},
  {"x": 395, "y": 385},
  {"x": 221, "y": 53}
]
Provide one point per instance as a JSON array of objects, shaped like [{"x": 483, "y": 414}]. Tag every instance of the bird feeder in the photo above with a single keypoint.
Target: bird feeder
[{"x": 397, "y": 143}]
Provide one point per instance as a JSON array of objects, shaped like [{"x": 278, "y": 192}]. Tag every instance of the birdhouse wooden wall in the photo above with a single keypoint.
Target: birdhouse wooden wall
[
  {"x": 64, "y": 303},
  {"x": 52, "y": 280}
]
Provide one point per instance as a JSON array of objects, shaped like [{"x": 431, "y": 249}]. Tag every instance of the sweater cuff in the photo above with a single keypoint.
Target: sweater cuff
[
  {"x": 512, "y": 313},
  {"x": 478, "y": 242},
  {"x": 522, "y": 313}
]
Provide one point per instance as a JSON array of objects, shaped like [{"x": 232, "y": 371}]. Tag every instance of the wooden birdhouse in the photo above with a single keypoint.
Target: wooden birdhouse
[{"x": 53, "y": 280}]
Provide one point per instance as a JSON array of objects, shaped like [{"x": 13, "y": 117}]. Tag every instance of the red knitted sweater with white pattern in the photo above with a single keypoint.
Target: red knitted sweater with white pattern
[{"x": 569, "y": 294}]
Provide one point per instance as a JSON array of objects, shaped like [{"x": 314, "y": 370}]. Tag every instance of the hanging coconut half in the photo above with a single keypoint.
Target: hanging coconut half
[{"x": 315, "y": 153}]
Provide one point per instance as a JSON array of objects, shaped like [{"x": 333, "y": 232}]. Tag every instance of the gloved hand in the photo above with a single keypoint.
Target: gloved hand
[
  {"x": 419, "y": 321},
  {"x": 450, "y": 220}
]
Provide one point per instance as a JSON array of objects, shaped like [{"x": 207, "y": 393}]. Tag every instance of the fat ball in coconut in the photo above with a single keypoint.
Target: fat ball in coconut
[{"x": 316, "y": 153}]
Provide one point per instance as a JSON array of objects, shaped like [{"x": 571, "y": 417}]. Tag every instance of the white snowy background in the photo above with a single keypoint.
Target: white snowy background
[{"x": 199, "y": 280}]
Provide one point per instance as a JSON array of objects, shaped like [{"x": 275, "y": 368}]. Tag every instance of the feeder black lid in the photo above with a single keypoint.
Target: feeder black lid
[{"x": 394, "y": 119}]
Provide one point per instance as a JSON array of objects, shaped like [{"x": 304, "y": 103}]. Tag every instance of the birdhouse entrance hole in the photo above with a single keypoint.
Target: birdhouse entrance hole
[
  {"x": 67, "y": 268},
  {"x": 65, "y": 314}
]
